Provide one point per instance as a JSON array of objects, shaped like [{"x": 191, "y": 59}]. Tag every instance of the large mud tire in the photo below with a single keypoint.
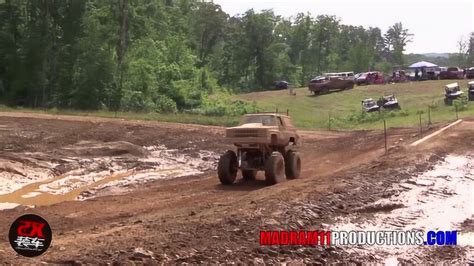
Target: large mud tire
[
  {"x": 227, "y": 168},
  {"x": 292, "y": 165},
  {"x": 249, "y": 175},
  {"x": 275, "y": 169}
]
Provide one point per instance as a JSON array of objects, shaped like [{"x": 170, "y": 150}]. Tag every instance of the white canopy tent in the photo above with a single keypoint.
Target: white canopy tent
[{"x": 422, "y": 64}]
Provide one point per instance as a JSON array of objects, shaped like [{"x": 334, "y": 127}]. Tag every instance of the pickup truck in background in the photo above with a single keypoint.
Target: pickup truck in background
[
  {"x": 328, "y": 82},
  {"x": 470, "y": 73},
  {"x": 452, "y": 73}
]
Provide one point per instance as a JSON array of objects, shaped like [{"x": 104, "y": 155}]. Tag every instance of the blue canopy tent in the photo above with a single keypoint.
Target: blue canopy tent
[{"x": 422, "y": 64}]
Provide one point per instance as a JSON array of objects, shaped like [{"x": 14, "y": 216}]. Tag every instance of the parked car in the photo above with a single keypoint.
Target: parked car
[
  {"x": 452, "y": 92},
  {"x": 388, "y": 102},
  {"x": 432, "y": 73},
  {"x": 470, "y": 73},
  {"x": 398, "y": 76},
  {"x": 369, "y": 105},
  {"x": 324, "y": 84},
  {"x": 343, "y": 75},
  {"x": 346, "y": 75},
  {"x": 281, "y": 85},
  {"x": 452, "y": 73},
  {"x": 470, "y": 90},
  {"x": 373, "y": 77}
]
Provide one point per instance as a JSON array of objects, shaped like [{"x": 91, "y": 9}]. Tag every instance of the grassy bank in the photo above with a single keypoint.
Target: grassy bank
[
  {"x": 339, "y": 110},
  {"x": 343, "y": 108}
]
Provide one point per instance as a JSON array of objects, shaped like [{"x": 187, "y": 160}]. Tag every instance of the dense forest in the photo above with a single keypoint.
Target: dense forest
[{"x": 171, "y": 55}]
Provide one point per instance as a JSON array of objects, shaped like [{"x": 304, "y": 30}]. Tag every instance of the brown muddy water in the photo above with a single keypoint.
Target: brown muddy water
[
  {"x": 106, "y": 175},
  {"x": 439, "y": 199}
]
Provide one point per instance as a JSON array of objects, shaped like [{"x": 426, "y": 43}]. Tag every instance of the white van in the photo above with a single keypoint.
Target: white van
[{"x": 343, "y": 75}]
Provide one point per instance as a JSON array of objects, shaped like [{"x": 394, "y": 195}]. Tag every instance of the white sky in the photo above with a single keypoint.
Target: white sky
[{"x": 437, "y": 25}]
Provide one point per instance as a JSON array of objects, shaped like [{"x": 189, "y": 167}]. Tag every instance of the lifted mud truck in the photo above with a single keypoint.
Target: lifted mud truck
[{"x": 262, "y": 142}]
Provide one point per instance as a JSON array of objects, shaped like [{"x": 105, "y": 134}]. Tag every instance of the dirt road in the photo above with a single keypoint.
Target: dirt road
[{"x": 116, "y": 190}]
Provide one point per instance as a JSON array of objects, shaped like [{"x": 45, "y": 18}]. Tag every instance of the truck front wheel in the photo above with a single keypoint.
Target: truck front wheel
[
  {"x": 227, "y": 168},
  {"x": 275, "y": 168}
]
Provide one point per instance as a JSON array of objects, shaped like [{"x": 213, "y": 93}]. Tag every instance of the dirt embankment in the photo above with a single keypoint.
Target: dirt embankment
[{"x": 194, "y": 218}]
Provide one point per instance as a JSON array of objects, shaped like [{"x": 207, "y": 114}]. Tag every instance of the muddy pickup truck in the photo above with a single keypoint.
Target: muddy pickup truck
[
  {"x": 262, "y": 142},
  {"x": 325, "y": 83}
]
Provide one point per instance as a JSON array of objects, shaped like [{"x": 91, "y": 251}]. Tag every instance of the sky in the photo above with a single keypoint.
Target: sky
[{"x": 437, "y": 25}]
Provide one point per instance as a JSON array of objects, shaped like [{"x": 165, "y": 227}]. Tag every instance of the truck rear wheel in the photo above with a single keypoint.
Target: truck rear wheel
[
  {"x": 249, "y": 175},
  {"x": 292, "y": 164},
  {"x": 275, "y": 169},
  {"x": 227, "y": 168}
]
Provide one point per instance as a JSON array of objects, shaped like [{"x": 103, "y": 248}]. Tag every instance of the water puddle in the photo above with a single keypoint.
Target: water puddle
[
  {"x": 97, "y": 176},
  {"x": 439, "y": 199}
]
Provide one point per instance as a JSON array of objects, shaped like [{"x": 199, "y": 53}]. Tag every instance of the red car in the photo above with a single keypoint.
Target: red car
[
  {"x": 367, "y": 78},
  {"x": 452, "y": 73}
]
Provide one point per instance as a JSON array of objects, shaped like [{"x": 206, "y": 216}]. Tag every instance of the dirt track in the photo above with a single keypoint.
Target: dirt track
[{"x": 193, "y": 218}]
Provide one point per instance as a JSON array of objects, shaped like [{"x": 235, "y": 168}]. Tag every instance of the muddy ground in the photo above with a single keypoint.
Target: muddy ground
[{"x": 135, "y": 191}]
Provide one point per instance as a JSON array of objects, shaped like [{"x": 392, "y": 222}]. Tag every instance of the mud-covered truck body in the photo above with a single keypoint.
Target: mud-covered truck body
[
  {"x": 263, "y": 129},
  {"x": 326, "y": 83},
  {"x": 261, "y": 141}
]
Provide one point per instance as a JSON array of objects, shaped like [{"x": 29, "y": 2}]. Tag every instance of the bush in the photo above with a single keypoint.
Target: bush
[
  {"x": 220, "y": 105},
  {"x": 404, "y": 113},
  {"x": 364, "y": 117},
  {"x": 461, "y": 103},
  {"x": 165, "y": 104},
  {"x": 136, "y": 101}
]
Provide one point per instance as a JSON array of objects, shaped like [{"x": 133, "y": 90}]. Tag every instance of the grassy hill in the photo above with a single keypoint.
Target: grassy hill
[
  {"x": 344, "y": 108},
  {"x": 313, "y": 112}
]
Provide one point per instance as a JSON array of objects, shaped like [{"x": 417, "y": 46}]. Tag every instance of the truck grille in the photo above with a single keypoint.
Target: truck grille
[{"x": 246, "y": 133}]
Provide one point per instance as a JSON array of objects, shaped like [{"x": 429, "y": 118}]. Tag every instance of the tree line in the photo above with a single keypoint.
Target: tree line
[{"x": 169, "y": 55}]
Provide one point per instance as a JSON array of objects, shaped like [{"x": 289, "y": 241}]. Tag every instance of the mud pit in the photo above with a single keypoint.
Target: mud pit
[
  {"x": 439, "y": 199},
  {"x": 135, "y": 191},
  {"x": 89, "y": 169}
]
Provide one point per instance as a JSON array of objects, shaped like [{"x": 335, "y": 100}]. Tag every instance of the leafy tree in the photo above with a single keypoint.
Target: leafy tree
[
  {"x": 173, "y": 55},
  {"x": 470, "y": 56},
  {"x": 396, "y": 39},
  {"x": 208, "y": 23}
]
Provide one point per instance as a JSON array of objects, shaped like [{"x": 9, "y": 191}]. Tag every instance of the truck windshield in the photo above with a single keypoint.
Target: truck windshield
[{"x": 266, "y": 120}]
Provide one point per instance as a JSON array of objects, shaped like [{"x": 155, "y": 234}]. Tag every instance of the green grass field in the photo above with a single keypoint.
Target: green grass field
[
  {"x": 310, "y": 111},
  {"x": 313, "y": 112}
]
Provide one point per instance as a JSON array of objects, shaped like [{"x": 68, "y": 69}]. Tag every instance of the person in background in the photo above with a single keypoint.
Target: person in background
[{"x": 290, "y": 89}]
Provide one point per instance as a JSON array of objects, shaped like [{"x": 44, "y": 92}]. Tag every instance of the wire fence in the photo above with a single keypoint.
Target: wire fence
[{"x": 425, "y": 116}]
